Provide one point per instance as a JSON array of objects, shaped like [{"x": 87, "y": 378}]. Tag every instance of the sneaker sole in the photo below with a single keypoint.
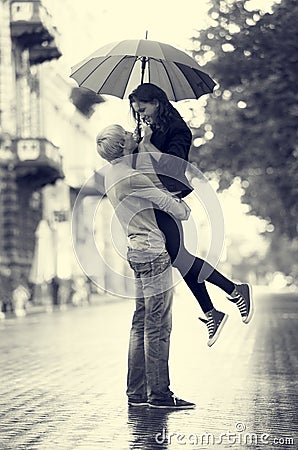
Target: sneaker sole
[
  {"x": 137, "y": 404},
  {"x": 219, "y": 329},
  {"x": 171, "y": 407}
]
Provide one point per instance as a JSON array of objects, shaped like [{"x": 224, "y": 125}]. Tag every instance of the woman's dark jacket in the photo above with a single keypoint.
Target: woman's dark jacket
[{"x": 176, "y": 141}]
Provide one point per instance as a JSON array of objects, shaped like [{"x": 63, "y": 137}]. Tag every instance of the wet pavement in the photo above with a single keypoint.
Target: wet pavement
[{"x": 62, "y": 380}]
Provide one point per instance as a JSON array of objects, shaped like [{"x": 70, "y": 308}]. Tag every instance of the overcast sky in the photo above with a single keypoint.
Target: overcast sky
[{"x": 86, "y": 25}]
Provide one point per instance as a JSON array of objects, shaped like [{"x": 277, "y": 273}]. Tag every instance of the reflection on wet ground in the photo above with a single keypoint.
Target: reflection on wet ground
[{"x": 63, "y": 381}]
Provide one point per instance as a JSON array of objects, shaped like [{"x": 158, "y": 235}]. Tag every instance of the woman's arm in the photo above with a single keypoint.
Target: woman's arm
[
  {"x": 177, "y": 143},
  {"x": 146, "y": 145}
]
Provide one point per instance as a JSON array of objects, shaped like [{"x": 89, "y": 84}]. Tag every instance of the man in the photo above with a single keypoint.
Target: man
[{"x": 132, "y": 195}]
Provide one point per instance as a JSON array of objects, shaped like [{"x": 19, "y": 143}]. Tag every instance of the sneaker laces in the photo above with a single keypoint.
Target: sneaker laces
[
  {"x": 241, "y": 303},
  {"x": 210, "y": 326},
  {"x": 174, "y": 399},
  {"x": 210, "y": 323}
]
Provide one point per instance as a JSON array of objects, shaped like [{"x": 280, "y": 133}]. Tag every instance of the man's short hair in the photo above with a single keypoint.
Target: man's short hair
[{"x": 109, "y": 142}]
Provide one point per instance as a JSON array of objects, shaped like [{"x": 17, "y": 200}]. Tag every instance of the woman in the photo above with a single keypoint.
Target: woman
[{"x": 167, "y": 139}]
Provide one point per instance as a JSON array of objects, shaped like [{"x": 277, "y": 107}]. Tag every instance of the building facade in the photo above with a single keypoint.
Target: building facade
[{"x": 47, "y": 141}]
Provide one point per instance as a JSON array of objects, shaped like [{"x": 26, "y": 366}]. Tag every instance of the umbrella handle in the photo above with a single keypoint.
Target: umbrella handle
[
  {"x": 144, "y": 60},
  {"x": 139, "y": 129},
  {"x": 143, "y": 67}
]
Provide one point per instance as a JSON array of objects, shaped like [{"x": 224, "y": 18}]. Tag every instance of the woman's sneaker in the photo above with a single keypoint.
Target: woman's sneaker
[
  {"x": 242, "y": 297},
  {"x": 172, "y": 403},
  {"x": 215, "y": 321}
]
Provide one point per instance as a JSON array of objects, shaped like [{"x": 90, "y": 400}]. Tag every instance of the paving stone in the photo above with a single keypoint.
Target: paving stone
[{"x": 63, "y": 380}]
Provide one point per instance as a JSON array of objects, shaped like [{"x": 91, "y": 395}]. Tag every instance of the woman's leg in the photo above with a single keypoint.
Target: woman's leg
[
  {"x": 188, "y": 265},
  {"x": 194, "y": 269}
]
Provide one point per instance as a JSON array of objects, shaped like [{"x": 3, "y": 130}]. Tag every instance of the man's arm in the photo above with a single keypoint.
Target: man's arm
[{"x": 141, "y": 186}]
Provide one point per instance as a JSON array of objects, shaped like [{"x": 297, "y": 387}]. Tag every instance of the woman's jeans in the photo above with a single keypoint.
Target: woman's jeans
[{"x": 148, "y": 355}]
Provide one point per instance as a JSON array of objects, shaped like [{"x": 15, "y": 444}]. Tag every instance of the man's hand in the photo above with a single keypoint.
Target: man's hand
[
  {"x": 179, "y": 209},
  {"x": 146, "y": 146},
  {"x": 186, "y": 208},
  {"x": 147, "y": 133}
]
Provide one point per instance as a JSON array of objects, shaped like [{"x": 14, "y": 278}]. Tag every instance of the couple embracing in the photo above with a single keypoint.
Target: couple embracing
[{"x": 146, "y": 183}]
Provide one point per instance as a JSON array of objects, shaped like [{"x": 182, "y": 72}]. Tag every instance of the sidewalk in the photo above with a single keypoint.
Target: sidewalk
[
  {"x": 63, "y": 380},
  {"x": 31, "y": 308}
]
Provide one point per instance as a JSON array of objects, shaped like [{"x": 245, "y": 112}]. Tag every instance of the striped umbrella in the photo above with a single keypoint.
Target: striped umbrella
[{"x": 119, "y": 67}]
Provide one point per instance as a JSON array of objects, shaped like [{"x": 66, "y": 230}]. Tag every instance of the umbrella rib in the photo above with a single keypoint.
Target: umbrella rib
[
  {"x": 90, "y": 73},
  {"x": 198, "y": 72},
  {"x": 169, "y": 78},
  {"x": 115, "y": 67},
  {"x": 206, "y": 81},
  {"x": 190, "y": 85}
]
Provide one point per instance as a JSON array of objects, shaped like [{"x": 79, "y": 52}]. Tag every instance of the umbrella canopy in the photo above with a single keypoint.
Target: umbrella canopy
[{"x": 119, "y": 67}]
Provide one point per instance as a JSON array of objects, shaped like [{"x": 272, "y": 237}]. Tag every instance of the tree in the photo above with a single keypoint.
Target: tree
[{"x": 251, "y": 118}]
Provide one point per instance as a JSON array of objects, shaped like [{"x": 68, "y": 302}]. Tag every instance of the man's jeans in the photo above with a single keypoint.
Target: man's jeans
[{"x": 148, "y": 370}]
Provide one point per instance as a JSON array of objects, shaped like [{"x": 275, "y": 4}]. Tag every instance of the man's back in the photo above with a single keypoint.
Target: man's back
[{"x": 126, "y": 189}]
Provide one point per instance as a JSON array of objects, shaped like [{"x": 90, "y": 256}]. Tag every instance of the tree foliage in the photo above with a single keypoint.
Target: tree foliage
[{"x": 253, "y": 113}]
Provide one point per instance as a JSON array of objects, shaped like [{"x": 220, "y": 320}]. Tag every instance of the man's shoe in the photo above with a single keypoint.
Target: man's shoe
[
  {"x": 242, "y": 297},
  {"x": 172, "y": 403},
  {"x": 215, "y": 322},
  {"x": 137, "y": 402}
]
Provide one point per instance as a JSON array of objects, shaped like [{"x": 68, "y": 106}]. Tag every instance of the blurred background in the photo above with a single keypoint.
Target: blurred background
[{"x": 244, "y": 138}]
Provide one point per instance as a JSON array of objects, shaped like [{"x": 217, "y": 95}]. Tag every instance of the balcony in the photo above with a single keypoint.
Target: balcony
[
  {"x": 84, "y": 100},
  {"x": 30, "y": 23},
  {"x": 38, "y": 161},
  {"x": 43, "y": 52}
]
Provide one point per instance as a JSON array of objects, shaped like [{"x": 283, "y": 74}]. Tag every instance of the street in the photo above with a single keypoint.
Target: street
[{"x": 63, "y": 377}]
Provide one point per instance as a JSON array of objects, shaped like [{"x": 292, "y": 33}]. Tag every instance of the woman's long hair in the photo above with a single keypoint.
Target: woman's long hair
[{"x": 148, "y": 92}]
